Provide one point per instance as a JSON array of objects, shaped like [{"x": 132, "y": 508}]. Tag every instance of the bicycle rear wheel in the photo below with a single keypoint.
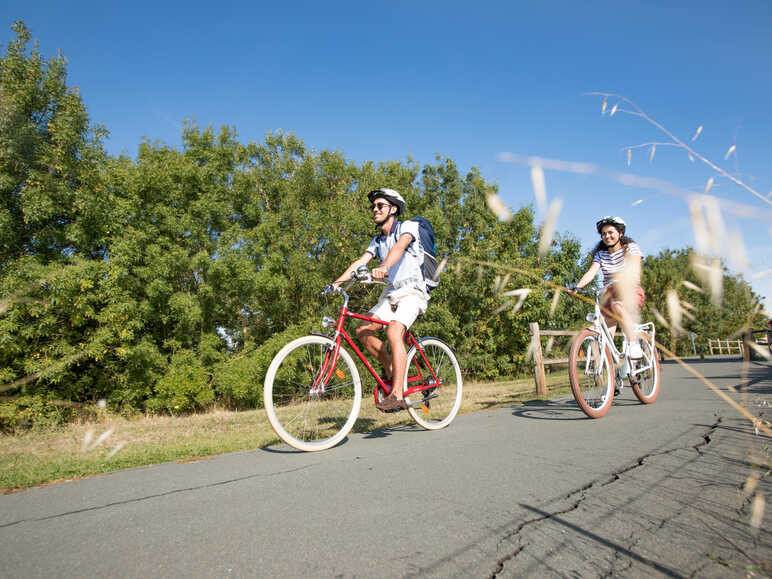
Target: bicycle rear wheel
[
  {"x": 591, "y": 373},
  {"x": 646, "y": 383},
  {"x": 303, "y": 414},
  {"x": 436, "y": 366}
]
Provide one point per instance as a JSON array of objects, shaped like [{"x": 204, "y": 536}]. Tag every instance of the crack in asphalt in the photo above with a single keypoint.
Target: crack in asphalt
[
  {"x": 153, "y": 496},
  {"x": 706, "y": 436},
  {"x": 614, "y": 571},
  {"x": 582, "y": 492}
]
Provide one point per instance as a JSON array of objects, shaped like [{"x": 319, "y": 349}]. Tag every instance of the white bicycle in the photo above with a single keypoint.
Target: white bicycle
[{"x": 597, "y": 369}]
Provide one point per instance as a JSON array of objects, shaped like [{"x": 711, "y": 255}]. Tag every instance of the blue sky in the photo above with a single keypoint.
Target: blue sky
[{"x": 384, "y": 80}]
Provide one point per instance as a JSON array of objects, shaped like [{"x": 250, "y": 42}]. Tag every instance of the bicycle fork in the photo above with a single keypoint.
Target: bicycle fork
[{"x": 325, "y": 372}]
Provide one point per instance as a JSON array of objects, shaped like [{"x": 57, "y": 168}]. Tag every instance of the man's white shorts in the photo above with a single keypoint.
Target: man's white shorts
[{"x": 409, "y": 303}]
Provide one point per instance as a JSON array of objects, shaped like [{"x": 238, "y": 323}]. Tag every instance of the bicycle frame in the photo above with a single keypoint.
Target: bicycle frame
[
  {"x": 599, "y": 326},
  {"x": 340, "y": 334}
]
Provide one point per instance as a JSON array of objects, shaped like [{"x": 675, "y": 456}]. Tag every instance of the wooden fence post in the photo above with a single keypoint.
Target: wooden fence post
[{"x": 538, "y": 360}]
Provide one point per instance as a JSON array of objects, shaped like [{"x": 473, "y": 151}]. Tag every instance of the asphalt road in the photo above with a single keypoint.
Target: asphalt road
[{"x": 535, "y": 490}]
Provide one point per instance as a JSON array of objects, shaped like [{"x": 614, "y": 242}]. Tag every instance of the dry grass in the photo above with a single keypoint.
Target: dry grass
[{"x": 113, "y": 442}]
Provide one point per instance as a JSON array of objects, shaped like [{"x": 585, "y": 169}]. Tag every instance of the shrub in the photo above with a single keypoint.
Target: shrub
[{"x": 184, "y": 387}]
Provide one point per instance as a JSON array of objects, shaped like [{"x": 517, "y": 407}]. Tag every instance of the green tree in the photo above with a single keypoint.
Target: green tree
[
  {"x": 671, "y": 270},
  {"x": 51, "y": 202},
  {"x": 169, "y": 280}
]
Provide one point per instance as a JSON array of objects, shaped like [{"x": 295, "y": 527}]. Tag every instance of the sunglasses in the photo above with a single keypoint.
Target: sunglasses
[{"x": 380, "y": 206}]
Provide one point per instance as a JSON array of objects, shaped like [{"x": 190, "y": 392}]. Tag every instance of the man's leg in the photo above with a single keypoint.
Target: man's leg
[
  {"x": 408, "y": 309},
  {"x": 396, "y": 336},
  {"x": 365, "y": 331}
]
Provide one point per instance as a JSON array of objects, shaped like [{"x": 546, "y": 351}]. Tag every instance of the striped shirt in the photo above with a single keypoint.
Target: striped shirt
[{"x": 613, "y": 263}]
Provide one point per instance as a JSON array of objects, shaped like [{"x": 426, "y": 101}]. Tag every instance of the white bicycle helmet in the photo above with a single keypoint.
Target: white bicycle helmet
[
  {"x": 617, "y": 222},
  {"x": 391, "y": 196}
]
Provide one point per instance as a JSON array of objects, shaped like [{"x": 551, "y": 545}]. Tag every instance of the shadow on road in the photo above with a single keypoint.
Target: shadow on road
[
  {"x": 561, "y": 409},
  {"x": 605, "y": 542},
  {"x": 388, "y": 430},
  {"x": 289, "y": 450}
]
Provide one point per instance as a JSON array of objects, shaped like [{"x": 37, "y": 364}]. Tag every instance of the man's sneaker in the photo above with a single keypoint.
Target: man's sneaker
[{"x": 634, "y": 351}]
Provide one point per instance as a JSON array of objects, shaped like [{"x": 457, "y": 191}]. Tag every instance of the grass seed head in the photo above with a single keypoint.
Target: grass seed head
[
  {"x": 498, "y": 207},
  {"x": 539, "y": 186},
  {"x": 692, "y": 286},
  {"x": 548, "y": 229},
  {"x": 674, "y": 311},
  {"x": 555, "y": 300},
  {"x": 757, "y": 510}
]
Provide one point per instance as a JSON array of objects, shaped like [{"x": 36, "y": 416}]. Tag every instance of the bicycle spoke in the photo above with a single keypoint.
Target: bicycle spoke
[
  {"x": 305, "y": 412},
  {"x": 436, "y": 402},
  {"x": 591, "y": 374}
]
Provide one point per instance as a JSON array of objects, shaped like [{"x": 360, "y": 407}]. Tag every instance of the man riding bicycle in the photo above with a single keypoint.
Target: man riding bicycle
[{"x": 404, "y": 298}]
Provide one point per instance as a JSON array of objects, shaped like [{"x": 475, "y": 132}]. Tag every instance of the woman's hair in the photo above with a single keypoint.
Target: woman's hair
[{"x": 623, "y": 239}]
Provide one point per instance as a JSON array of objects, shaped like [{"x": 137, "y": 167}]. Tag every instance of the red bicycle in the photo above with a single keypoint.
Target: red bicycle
[{"x": 313, "y": 392}]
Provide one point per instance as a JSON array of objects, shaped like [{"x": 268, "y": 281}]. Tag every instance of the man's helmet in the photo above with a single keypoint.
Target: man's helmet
[
  {"x": 391, "y": 196},
  {"x": 617, "y": 222}
]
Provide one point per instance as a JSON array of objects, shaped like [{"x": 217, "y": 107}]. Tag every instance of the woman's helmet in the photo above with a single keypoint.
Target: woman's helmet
[
  {"x": 391, "y": 196},
  {"x": 617, "y": 222}
]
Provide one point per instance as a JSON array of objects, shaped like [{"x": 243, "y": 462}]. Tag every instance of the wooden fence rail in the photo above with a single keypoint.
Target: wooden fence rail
[
  {"x": 726, "y": 347},
  {"x": 539, "y": 361},
  {"x": 761, "y": 337}
]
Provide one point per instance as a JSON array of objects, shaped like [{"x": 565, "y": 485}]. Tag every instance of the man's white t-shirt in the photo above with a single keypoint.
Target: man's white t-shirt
[{"x": 406, "y": 273}]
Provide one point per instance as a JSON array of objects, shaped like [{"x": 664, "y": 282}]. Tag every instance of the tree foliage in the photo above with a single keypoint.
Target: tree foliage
[
  {"x": 672, "y": 271},
  {"x": 168, "y": 281}
]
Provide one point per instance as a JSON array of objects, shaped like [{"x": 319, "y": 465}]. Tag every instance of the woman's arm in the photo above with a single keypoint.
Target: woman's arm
[{"x": 589, "y": 275}]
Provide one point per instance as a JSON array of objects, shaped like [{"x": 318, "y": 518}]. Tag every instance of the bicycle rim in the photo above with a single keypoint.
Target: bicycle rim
[
  {"x": 304, "y": 415},
  {"x": 646, "y": 384},
  {"x": 437, "y": 368},
  {"x": 591, "y": 374}
]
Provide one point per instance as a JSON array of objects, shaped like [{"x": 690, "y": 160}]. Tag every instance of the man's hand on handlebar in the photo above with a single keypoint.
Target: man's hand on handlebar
[{"x": 380, "y": 272}]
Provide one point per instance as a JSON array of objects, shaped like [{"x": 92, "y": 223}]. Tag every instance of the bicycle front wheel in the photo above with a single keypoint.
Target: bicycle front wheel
[
  {"x": 591, "y": 373},
  {"x": 305, "y": 413},
  {"x": 434, "y": 366},
  {"x": 645, "y": 383}
]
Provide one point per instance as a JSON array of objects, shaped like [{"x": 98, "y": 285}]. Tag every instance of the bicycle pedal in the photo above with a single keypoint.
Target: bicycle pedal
[{"x": 423, "y": 401}]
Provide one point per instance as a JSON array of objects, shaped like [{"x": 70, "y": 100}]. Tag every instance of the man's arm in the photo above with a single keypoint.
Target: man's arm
[
  {"x": 363, "y": 260},
  {"x": 394, "y": 255}
]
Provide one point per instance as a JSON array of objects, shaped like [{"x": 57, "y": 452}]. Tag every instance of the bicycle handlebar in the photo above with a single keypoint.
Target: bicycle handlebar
[{"x": 362, "y": 275}]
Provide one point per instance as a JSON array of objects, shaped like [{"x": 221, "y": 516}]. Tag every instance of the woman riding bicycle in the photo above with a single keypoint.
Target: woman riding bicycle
[{"x": 619, "y": 258}]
